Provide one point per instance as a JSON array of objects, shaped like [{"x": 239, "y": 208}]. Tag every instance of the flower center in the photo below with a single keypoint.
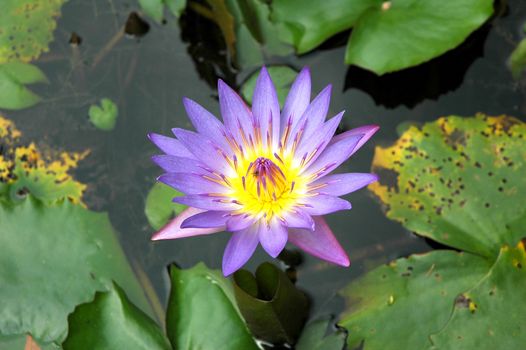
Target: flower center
[{"x": 266, "y": 178}]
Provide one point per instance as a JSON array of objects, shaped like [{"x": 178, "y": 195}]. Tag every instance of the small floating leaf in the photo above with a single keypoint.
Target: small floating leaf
[
  {"x": 13, "y": 78},
  {"x": 282, "y": 77},
  {"x": 111, "y": 321},
  {"x": 459, "y": 181},
  {"x": 420, "y": 290},
  {"x": 105, "y": 116},
  {"x": 494, "y": 316},
  {"x": 274, "y": 308},
  {"x": 202, "y": 312},
  {"x": 159, "y": 208}
]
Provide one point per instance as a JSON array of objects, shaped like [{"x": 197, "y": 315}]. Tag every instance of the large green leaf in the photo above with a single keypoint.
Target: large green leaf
[
  {"x": 202, "y": 313},
  {"x": 111, "y": 321},
  {"x": 491, "y": 315},
  {"x": 315, "y": 337},
  {"x": 13, "y": 78},
  {"x": 159, "y": 208},
  {"x": 397, "y": 306},
  {"x": 274, "y": 308},
  {"x": 459, "y": 181},
  {"x": 26, "y": 28},
  {"x": 387, "y": 35},
  {"x": 54, "y": 258}
]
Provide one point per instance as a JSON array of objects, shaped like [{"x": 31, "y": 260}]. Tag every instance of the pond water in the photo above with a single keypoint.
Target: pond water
[{"x": 148, "y": 77}]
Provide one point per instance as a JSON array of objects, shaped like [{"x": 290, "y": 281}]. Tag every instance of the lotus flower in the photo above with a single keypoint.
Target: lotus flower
[{"x": 262, "y": 174}]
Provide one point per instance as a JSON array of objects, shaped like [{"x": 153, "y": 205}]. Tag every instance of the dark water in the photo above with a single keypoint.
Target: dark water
[{"x": 148, "y": 77}]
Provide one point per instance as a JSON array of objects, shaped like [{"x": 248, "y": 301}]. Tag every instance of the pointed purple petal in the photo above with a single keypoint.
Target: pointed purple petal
[
  {"x": 206, "y": 219},
  {"x": 236, "y": 114},
  {"x": 323, "y": 204},
  {"x": 297, "y": 100},
  {"x": 340, "y": 184},
  {"x": 173, "y": 229},
  {"x": 239, "y": 249},
  {"x": 206, "y": 202},
  {"x": 173, "y": 164},
  {"x": 298, "y": 218},
  {"x": 170, "y": 145},
  {"x": 203, "y": 149},
  {"x": 206, "y": 123},
  {"x": 191, "y": 183},
  {"x": 312, "y": 147},
  {"x": 367, "y": 131},
  {"x": 333, "y": 155},
  {"x": 239, "y": 222},
  {"x": 313, "y": 117},
  {"x": 265, "y": 108},
  {"x": 272, "y": 236},
  {"x": 321, "y": 243}
]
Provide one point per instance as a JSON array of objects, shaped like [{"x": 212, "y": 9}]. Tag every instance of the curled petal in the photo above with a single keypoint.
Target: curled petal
[
  {"x": 239, "y": 249},
  {"x": 322, "y": 204},
  {"x": 321, "y": 243},
  {"x": 174, "y": 230},
  {"x": 170, "y": 145},
  {"x": 340, "y": 184},
  {"x": 272, "y": 236}
]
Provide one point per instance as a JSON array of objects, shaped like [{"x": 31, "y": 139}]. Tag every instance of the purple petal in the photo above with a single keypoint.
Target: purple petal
[
  {"x": 321, "y": 243},
  {"x": 236, "y": 114},
  {"x": 367, "y": 131},
  {"x": 340, "y": 184},
  {"x": 313, "y": 146},
  {"x": 239, "y": 249},
  {"x": 206, "y": 202},
  {"x": 333, "y": 155},
  {"x": 313, "y": 117},
  {"x": 206, "y": 219},
  {"x": 265, "y": 108},
  {"x": 174, "y": 230},
  {"x": 206, "y": 123},
  {"x": 239, "y": 222},
  {"x": 323, "y": 204},
  {"x": 297, "y": 218},
  {"x": 297, "y": 101},
  {"x": 170, "y": 145},
  {"x": 272, "y": 236},
  {"x": 191, "y": 183},
  {"x": 203, "y": 149},
  {"x": 173, "y": 164}
]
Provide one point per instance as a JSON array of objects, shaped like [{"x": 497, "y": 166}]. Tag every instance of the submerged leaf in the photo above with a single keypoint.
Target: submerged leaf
[
  {"x": 202, "y": 313},
  {"x": 111, "y": 321},
  {"x": 459, "y": 181},
  {"x": 105, "y": 116},
  {"x": 274, "y": 308},
  {"x": 13, "y": 78},
  {"x": 26, "y": 28},
  {"x": 397, "y": 306},
  {"x": 54, "y": 258},
  {"x": 159, "y": 208},
  {"x": 491, "y": 314}
]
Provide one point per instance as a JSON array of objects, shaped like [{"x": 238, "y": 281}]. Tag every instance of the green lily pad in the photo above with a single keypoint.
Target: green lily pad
[
  {"x": 159, "y": 208},
  {"x": 387, "y": 35},
  {"x": 111, "y": 321},
  {"x": 54, "y": 258},
  {"x": 459, "y": 181},
  {"x": 155, "y": 8},
  {"x": 282, "y": 77},
  {"x": 397, "y": 306},
  {"x": 202, "y": 313},
  {"x": 26, "y": 28},
  {"x": 105, "y": 116},
  {"x": 315, "y": 337},
  {"x": 491, "y": 314},
  {"x": 274, "y": 308},
  {"x": 517, "y": 60},
  {"x": 13, "y": 78}
]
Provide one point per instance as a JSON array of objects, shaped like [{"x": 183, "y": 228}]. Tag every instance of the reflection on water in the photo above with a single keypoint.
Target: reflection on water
[{"x": 148, "y": 77}]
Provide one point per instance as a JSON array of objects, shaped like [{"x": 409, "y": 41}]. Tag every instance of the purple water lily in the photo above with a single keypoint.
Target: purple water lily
[{"x": 262, "y": 175}]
